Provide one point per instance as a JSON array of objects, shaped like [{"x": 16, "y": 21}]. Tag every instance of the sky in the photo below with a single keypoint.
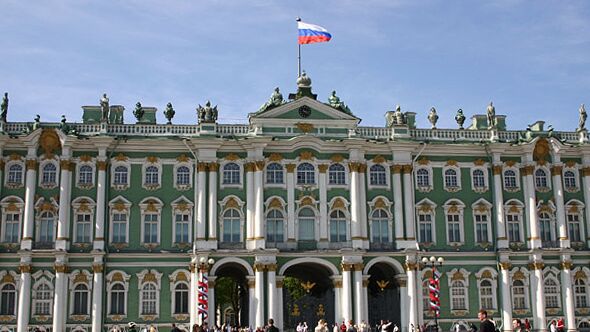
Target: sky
[{"x": 531, "y": 58}]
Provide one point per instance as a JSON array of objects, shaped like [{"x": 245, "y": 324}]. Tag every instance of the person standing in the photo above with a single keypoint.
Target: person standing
[
  {"x": 485, "y": 324},
  {"x": 174, "y": 328},
  {"x": 271, "y": 326},
  {"x": 560, "y": 325}
]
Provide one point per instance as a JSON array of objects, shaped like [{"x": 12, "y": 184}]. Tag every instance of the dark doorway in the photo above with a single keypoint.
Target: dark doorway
[
  {"x": 383, "y": 292},
  {"x": 231, "y": 295}
]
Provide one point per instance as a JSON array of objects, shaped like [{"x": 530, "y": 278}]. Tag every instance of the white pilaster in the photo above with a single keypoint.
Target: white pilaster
[
  {"x": 279, "y": 320},
  {"x": 291, "y": 204},
  {"x": 211, "y": 300},
  {"x": 259, "y": 295},
  {"x": 200, "y": 207},
  {"x": 192, "y": 309},
  {"x": 60, "y": 296},
  {"x": 411, "y": 267},
  {"x": 409, "y": 204},
  {"x": 358, "y": 295},
  {"x": 101, "y": 186},
  {"x": 505, "y": 294},
  {"x": 322, "y": 182},
  {"x": 531, "y": 206},
  {"x": 346, "y": 295},
  {"x": 337, "y": 282},
  {"x": 259, "y": 205},
  {"x": 564, "y": 241},
  {"x": 567, "y": 291},
  {"x": 212, "y": 238},
  {"x": 29, "y": 215},
  {"x": 538, "y": 292},
  {"x": 403, "y": 302},
  {"x": 63, "y": 222},
  {"x": 252, "y": 301},
  {"x": 586, "y": 186},
  {"x": 398, "y": 207},
  {"x": 355, "y": 208},
  {"x": 365, "y": 303},
  {"x": 363, "y": 205},
  {"x": 97, "y": 293},
  {"x": 250, "y": 243},
  {"x": 502, "y": 239},
  {"x": 24, "y": 295},
  {"x": 271, "y": 280}
]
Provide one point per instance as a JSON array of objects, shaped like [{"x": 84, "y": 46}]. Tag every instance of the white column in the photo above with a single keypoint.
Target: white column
[
  {"x": 279, "y": 321},
  {"x": 213, "y": 168},
  {"x": 568, "y": 294},
  {"x": 398, "y": 207},
  {"x": 24, "y": 295},
  {"x": 97, "y": 293},
  {"x": 259, "y": 295},
  {"x": 537, "y": 295},
  {"x": 564, "y": 241},
  {"x": 363, "y": 205},
  {"x": 252, "y": 302},
  {"x": 63, "y": 222},
  {"x": 193, "y": 292},
  {"x": 259, "y": 205},
  {"x": 403, "y": 303},
  {"x": 365, "y": 303},
  {"x": 337, "y": 282},
  {"x": 505, "y": 295},
  {"x": 29, "y": 215},
  {"x": 201, "y": 197},
  {"x": 211, "y": 300},
  {"x": 291, "y": 203},
  {"x": 531, "y": 206},
  {"x": 323, "y": 206},
  {"x": 358, "y": 293},
  {"x": 346, "y": 291},
  {"x": 60, "y": 296},
  {"x": 586, "y": 186},
  {"x": 409, "y": 204},
  {"x": 412, "y": 297},
  {"x": 271, "y": 282},
  {"x": 249, "y": 168},
  {"x": 101, "y": 185},
  {"x": 355, "y": 209},
  {"x": 502, "y": 240}
]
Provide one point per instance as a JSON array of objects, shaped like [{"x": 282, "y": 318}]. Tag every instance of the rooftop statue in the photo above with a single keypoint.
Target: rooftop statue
[
  {"x": 207, "y": 114},
  {"x": 460, "y": 118},
  {"x": 335, "y": 102},
  {"x": 583, "y": 117},
  {"x": 394, "y": 118},
  {"x": 4, "y": 107},
  {"x": 433, "y": 117},
  {"x": 169, "y": 113},
  {"x": 491, "y": 113},
  {"x": 138, "y": 112},
  {"x": 104, "y": 107},
  {"x": 276, "y": 99}
]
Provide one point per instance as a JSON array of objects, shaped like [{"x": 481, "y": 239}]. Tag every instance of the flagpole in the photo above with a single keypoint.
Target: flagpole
[{"x": 298, "y": 19}]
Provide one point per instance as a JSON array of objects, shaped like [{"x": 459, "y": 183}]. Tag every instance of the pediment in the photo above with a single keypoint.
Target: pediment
[{"x": 303, "y": 109}]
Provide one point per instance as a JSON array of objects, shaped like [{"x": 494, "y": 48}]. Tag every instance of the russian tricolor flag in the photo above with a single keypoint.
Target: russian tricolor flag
[{"x": 311, "y": 33}]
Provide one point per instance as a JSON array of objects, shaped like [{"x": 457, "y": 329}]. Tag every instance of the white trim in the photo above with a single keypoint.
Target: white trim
[
  {"x": 494, "y": 283},
  {"x": 158, "y": 165},
  {"x": 516, "y": 176},
  {"x": 228, "y": 260},
  {"x": 116, "y": 163},
  {"x": 141, "y": 284},
  {"x": 190, "y": 166},
  {"x": 548, "y": 176},
  {"x": 42, "y": 277},
  {"x": 488, "y": 213},
  {"x": 110, "y": 283},
  {"x": 316, "y": 181},
  {"x": 175, "y": 210},
  {"x": 14, "y": 185},
  {"x": 457, "y": 178},
  {"x": 387, "y": 185},
  {"x": 526, "y": 285},
  {"x": 486, "y": 184},
  {"x": 78, "y": 203},
  {"x": 173, "y": 283},
  {"x": 72, "y": 287},
  {"x": 390, "y": 217},
  {"x": 576, "y": 172},
  {"x": 126, "y": 211},
  {"x": 224, "y": 163},
  {"x": 302, "y": 260},
  {"x": 54, "y": 210},
  {"x": 552, "y": 273},
  {"x": 346, "y": 175},
  {"x": 143, "y": 206},
  {"x": 79, "y": 165},
  {"x": 432, "y": 213},
  {"x": 430, "y": 186},
  {"x": 282, "y": 185},
  {"x": 455, "y": 203},
  {"x": 465, "y": 287},
  {"x": 580, "y": 213},
  {"x": 16, "y": 284},
  {"x": 316, "y": 217},
  {"x": 223, "y": 209},
  {"x": 520, "y": 206},
  {"x": 20, "y": 205},
  {"x": 49, "y": 185}
]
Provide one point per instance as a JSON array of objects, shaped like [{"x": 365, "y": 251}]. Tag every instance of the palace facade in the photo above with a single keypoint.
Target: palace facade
[{"x": 105, "y": 222}]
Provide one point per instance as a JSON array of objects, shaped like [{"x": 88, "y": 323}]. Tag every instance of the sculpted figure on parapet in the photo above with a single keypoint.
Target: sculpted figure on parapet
[
  {"x": 583, "y": 117},
  {"x": 394, "y": 118},
  {"x": 207, "y": 114},
  {"x": 104, "y": 107},
  {"x": 491, "y": 113},
  {"x": 4, "y": 107}
]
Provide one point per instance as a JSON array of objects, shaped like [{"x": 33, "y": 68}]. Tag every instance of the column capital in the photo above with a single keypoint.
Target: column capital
[
  {"x": 249, "y": 167},
  {"x": 396, "y": 169},
  {"x": 411, "y": 266},
  {"x": 65, "y": 164},
  {"x": 259, "y": 267},
  {"x": 353, "y": 166},
  {"x": 586, "y": 171},
  {"x": 497, "y": 169},
  {"x": 97, "y": 267},
  {"x": 347, "y": 267},
  {"x": 556, "y": 170},
  {"x": 505, "y": 265},
  {"x": 202, "y": 167},
  {"x": 566, "y": 265},
  {"x": 402, "y": 282},
  {"x": 102, "y": 165},
  {"x": 279, "y": 283},
  {"x": 24, "y": 268},
  {"x": 251, "y": 283},
  {"x": 290, "y": 168},
  {"x": 259, "y": 165},
  {"x": 31, "y": 164},
  {"x": 2, "y": 164},
  {"x": 362, "y": 168},
  {"x": 337, "y": 283},
  {"x": 358, "y": 266},
  {"x": 407, "y": 168},
  {"x": 192, "y": 267},
  {"x": 323, "y": 168},
  {"x": 61, "y": 268},
  {"x": 213, "y": 167},
  {"x": 527, "y": 170},
  {"x": 271, "y": 267},
  {"x": 211, "y": 283},
  {"x": 536, "y": 266}
]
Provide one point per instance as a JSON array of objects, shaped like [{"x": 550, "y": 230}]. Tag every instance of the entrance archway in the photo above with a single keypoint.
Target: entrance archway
[
  {"x": 231, "y": 292},
  {"x": 383, "y": 294}
]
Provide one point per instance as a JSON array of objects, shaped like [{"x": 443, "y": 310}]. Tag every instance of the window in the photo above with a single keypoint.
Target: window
[
  {"x": 83, "y": 227},
  {"x": 148, "y": 299},
  {"x": 451, "y": 179},
  {"x": 569, "y": 180},
  {"x": 274, "y": 173},
  {"x": 378, "y": 175},
  {"x": 150, "y": 228},
  {"x": 458, "y": 296},
  {"x": 510, "y": 181},
  {"x": 8, "y": 300},
  {"x": 574, "y": 227},
  {"x": 85, "y": 174},
  {"x": 43, "y": 300},
  {"x": 337, "y": 226},
  {"x": 306, "y": 227},
  {"x": 117, "y": 300},
  {"x": 151, "y": 176},
  {"x": 231, "y": 226},
  {"x": 581, "y": 291},
  {"x": 305, "y": 174},
  {"x": 274, "y": 226},
  {"x": 15, "y": 174},
  {"x": 49, "y": 174},
  {"x": 454, "y": 227},
  {"x": 336, "y": 174},
  {"x": 479, "y": 179},
  {"x": 486, "y": 295},
  {"x": 425, "y": 296},
  {"x": 46, "y": 227},
  {"x": 119, "y": 227},
  {"x": 120, "y": 177},
  {"x": 380, "y": 226},
  {"x": 11, "y": 227},
  {"x": 231, "y": 173},
  {"x": 545, "y": 229},
  {"x": 425, "y": 224},
  {"x": 513, "y": 223},
  {"x": 183, "y": 176},
  {"x": 80, "y": 300},
  {"x": 481, "y": 227},
  {"x": 181, "y": 228},
  {"x": 552, "y": 294},
  {"x": 181, "y": 299},
  {"x": 541, "y": 179},
  {"x": 518, "y": 295},
  {"x": 423, "y": 178}
]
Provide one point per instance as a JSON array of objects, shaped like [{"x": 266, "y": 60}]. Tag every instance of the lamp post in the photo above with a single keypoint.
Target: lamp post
[
  {"x": 203, "y": 289},
  {"x": 434, "y": 285}
]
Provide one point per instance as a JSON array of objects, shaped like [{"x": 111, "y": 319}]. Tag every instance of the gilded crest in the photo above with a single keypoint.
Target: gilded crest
[
  {"x": 231, "y": 203},
  {"x": 306, "y": 155},
  {"x": 452, "y": 162},
  {"x": 152, "y": 159},
  {"x": 275, "y": 157},
  {"x": 306, "y": 201},
  {"x": 275, "y": 203},
  {"x": 541, "y": 151},
  {"x": 479, "y": 162},
  {"x": 304, "y": 127},
  {"x": 49, "y": 141},
  {"x": 378, "y": 159},
  {"x": 232, "y": 157},
  {"x": 423, "y": 161},
  {"x": 337, "y": 158},
  {"x": 121, "y": 157},
  {"x": 338, "y": 204},
  {"x": 85, "y": 158},
  {"x": 183, "y": 158}
]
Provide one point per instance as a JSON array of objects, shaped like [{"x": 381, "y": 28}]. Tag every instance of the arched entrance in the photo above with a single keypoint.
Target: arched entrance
[
  {"x": 308, "y": 294},
  {"x": 383, "y": 294},
  {"x": 231, "y": 292}
]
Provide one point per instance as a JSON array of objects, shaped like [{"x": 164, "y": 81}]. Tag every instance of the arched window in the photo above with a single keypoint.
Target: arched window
[
  {"x": 337, "y": 226},
  {"x": 49, "y": 175},
  {"x": 569, "y": 180},
  {"x": 15, "y": 174},
  {"x": 380, "y": 226},
  {"x": 510, "y": 180},
  {"x": 545, "y": 229},
  {"x": 306, "y": 227},
  {"x": 305, "y": 174},
  {"x": 458, "y": 296},
  {"x": 46, "y": 226},
  {"x": 378, "y": 176},
  {"x": 80, "y": 300},
  {"x": 581, "y": 291},
  {"x": 274, "y": 173},
  {"x": 423, "y": 178},
  {"x": 43, "y": 300},
  {"x": 574, "y": 227},
  {"x": 83, "y": 227},
  {"x": 120, "y": 176},
  {"x": 85, "y": 175},
  {"x": 151, "y": 175},
  {"x": 148, "y": 299},
  {"x": 541, "y": 179},
  {"x": 425, "y": 296},
  {"x": 183, "y": 176},
  {"x": 231, "y": 226},
  {"x": 11, "y": 227},
  {"x": 518, "y": 295},
  {"x": 451, "y": 178},
  {"x": 552, "y": 294},
  {"x": 274, "y": 227},
  {"x": 486, "y": 295},
  {"x": 117, "y": 300},
  {"x": 479, "y": 179},
  {"x": 231, "y": 173},
  {"x": 336, "y": 174},
  {"x": 8, "y": 300},
  {"x": 181, "y": 299}
]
